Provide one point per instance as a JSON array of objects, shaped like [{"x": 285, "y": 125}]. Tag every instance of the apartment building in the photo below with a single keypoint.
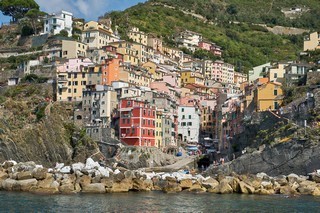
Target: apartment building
[{"x": 55, "y": 22}]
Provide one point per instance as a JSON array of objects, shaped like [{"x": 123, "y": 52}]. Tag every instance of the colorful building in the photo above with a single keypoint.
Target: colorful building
[
  {"x": 137, "y": 122},
  {"x": 72, "y": 78},
  {"x": 111, "y": 70},
  {"x": 268, "y": 96}
]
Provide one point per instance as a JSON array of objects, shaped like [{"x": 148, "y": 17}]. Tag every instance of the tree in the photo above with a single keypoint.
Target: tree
[
  {"x": 34, "y": 15},
  {"x": 17, "y": 8},
  {"x": 64, "y": 33}
]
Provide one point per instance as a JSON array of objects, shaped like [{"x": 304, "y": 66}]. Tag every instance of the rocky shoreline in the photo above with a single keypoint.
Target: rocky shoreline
[{"x": 93, "y": 178}]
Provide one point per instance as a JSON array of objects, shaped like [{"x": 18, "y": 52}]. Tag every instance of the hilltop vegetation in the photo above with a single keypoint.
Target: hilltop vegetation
[{"x": 245, "y": 45}]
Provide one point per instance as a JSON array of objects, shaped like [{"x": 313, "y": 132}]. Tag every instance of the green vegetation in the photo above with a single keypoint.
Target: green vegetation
[
  {"x": 244, "y": 44},
  {"x": 260, "y": 11},
  {"x": 34, "y": 15},
  {"x": 17, "y": 8},
  {"x": 33, "y": 78}
]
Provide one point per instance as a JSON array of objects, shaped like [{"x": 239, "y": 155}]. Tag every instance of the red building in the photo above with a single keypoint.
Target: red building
[{"x": 137, "y": 122}]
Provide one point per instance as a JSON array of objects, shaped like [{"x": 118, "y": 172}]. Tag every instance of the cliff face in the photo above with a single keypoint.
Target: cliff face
[
  {"x": 299, "y": 157},
  {"x": 33, "y": 129}
]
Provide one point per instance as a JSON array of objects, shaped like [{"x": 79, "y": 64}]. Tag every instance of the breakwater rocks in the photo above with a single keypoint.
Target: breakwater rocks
[{"x": 93, "y": 178}]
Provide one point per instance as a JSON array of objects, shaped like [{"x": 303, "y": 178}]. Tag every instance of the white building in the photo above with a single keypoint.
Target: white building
[
  {"x": 188, "y": 123},
  {"x": 97, "y": 104},
  {"x": 188, "y": 39},
  {"x": 56, "y": 22}
]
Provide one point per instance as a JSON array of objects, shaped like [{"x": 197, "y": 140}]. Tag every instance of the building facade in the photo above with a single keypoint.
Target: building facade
[
  {"x": 137, "y": 122},
  {"x": 56, "y": 22}
]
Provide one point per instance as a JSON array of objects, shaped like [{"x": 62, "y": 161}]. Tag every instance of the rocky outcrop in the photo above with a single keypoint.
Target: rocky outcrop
[
  {"x": 28, "y": 132},
  {"x": 93, "y": 178},
  {"x": 298, "y": 157}
]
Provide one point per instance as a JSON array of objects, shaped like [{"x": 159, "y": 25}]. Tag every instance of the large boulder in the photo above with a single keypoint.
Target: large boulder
[
  {"x": 222, "y": 188},
  {"x": 197, "y": 188},
  {"x": 172, "y": 187},
  {"x": 39, "y": 173},
  {"x": 124, "y": 186},
  {"x": 210, "y": 183},
  {"x": 307, "y": 187},
  {"x": 25, "y": 185},
  {"x": 67, "y": 188},
  {"x": 281, "y": 179},
  {"x": 8, "y": 184},
  {"x": 265, "y": 191},
  {"x": 84, "y": 180},
  {"x": 246, "y": 188},
  {"x": 107, "y": 181},
  {"x": 24, "y": 166},
  {"x": 9, "y": 163},
  {"x": 77, "y": 167},
  {"x": 118, "y": 177},
  {"x": 91, "y": 164},
  {"x": 65, "y": 170},
  {"x": 287, "y": 190},
  {"x": 158, "y": 184},
  {"x": 94, "y": 188},
  {"x": 186, "y": 183},
  {"x": 24, "y": 175},
  {"x": 267, "y": 185},
  {"x": 46, "y": 186},
  {"x": 142, "y": 185},
  {"x": 3, "y": 175}
]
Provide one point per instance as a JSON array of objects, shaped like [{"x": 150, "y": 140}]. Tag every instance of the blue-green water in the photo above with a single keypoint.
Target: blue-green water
[{"x": 156, "y": 202}]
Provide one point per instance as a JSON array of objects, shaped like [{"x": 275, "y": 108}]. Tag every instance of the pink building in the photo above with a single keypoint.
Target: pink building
[{"x": 205, "y": 45}]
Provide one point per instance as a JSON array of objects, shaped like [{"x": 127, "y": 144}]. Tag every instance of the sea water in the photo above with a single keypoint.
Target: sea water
[{"x": 156, "y": 202}]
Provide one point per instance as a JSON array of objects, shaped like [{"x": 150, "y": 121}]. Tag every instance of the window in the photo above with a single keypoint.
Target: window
[
  {"x": 275, "y": 92},
  {"x": 275, "y": 75},
  {"x": 149, "y": 122},
  {"x": 189, "y": 116},
  {"x": 189, "y": 123},
  {"x": 83, "y": 75},
  {"x": 128, "y": 121},
  {"x": 148, "y": 132},
  {"x": 75, "y": 75},
  {"x": 75, "y": 90},
  {"x": 128, "y": 103},
  {"x": 183, "y": 116},
  {"x": 132, "y": 130},
  {"x": 183, "y": 124},
  {"x": 276, "y": 105},
  {"x": 182, "y": 109},
  {"x": 69, "y": 90}
]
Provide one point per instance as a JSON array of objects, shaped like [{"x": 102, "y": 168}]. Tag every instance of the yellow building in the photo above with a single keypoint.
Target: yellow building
[
  {"x": 135, "y": 76},
  {"x": 277, "y": 72},
  {"x": 144, "y": 53},
  {"x": 128, "y": 51},
  {"x": 73, "y": 49},
  {"x": 152, "y": 69},
  {"x": 159, "y": 133},
  {"x": 138, "y": 36},
  {"x": 268, "y": 96},
  {"x": 97, "y": 35},
  {"x": 72, "y": 78},
  {"x": 190, "y": 77},
  {"x": 312, "y": 42}
]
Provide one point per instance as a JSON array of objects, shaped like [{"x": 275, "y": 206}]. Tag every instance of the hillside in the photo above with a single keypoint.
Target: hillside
[
  {"x": 33, "y": 129},
  {"x": 245, "y": 44}
]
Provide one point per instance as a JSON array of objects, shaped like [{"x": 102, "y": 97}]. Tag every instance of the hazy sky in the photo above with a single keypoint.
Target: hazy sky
[{"x": 88, "y": 9}]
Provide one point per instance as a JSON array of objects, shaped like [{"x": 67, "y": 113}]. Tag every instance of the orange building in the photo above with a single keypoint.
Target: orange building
[{"x": 110, "y": 70}]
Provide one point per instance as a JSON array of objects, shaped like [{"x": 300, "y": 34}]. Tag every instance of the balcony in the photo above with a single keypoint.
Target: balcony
[
  {"x": 62, "y": 86},
  {"x": 62, "y": 79}
]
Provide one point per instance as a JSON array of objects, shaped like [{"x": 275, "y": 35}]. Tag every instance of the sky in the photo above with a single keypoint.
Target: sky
[{"x": 87, "y": 9}]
